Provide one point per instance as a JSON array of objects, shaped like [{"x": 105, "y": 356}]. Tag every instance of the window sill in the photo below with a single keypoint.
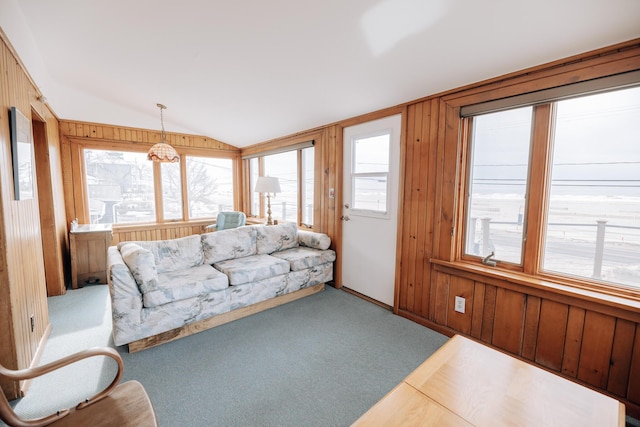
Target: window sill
[
  {"x": 119, "y": 228},
  {"x": 544, "y": 288}
]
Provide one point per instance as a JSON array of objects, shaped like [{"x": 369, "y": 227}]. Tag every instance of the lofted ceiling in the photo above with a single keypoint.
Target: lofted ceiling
[{"x": 246, "y": 71}]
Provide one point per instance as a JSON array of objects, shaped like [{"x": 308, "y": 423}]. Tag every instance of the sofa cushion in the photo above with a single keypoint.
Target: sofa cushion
[
  {"x": 228, "y": 244},
  {"x": 272, "y": 238},
  {"x": 141, "y": 264},
  {"x": 302, "y": 258},
  {"x": 174, "y": 254},
  {"x": 182, "y": 284},
  {"x": 252, "y": 268},
  {"x": 313, "y": 239}
]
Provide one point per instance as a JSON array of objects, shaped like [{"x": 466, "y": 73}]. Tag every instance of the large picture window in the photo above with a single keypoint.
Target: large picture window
[
  {"x": 573, "y": 163},
  {"x": 122, "y": 189}
]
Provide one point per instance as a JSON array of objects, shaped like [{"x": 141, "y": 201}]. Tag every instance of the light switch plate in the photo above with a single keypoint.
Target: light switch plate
[{"x": 459, "y": 304}]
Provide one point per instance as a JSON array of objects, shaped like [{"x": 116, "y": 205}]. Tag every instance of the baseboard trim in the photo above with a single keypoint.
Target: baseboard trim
[
  {"x": 221, "y": 319},
  {"x": 364, "y": 297}
]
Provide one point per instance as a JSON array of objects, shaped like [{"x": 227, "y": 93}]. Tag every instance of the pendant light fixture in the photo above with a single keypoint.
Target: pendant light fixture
[{"x": 163, "y": 152}]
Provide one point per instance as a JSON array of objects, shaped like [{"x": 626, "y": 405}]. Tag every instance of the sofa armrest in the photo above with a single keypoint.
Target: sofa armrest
[
  {"x": 313, "y": 239},
  {"x": 126, "y": 299},
  {"x": 121, "y": 281}
]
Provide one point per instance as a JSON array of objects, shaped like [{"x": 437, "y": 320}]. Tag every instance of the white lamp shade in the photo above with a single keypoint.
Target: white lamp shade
[{"x": 268, "y": 184}]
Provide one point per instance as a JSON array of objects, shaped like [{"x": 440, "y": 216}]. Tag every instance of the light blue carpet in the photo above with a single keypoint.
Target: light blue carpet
[{"x": 320, "y": 361}]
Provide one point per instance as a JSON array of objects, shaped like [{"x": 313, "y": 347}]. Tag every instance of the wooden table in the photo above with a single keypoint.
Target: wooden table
[{"x": 466, "y": 383}]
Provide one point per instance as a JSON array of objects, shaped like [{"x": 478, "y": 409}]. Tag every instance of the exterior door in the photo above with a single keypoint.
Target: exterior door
[{"x": 370, "y": 207}]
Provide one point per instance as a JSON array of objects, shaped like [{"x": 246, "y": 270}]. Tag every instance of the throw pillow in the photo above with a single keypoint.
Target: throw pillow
[
  {"x": 142, "y": 265},
  {"x": 173, "y": 254},
  {"x": 314, "y": 240}
]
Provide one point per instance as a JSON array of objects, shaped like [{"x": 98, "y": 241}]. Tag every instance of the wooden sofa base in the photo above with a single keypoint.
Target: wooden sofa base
[{"x": 221, "y": 319}]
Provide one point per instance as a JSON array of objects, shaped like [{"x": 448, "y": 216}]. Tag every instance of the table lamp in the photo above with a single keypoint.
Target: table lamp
[{"x": 268, "y": 185}]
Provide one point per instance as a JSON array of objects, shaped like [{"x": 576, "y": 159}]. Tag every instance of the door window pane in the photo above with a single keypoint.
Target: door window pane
[
  {"x": 209, "y": 186},
  {"x": 498, "y": 184},
  {"x": 371, "y": 154},
  {"x": 119, "y": 186},
  {"x": 370, "y": 173},
  {"x": 284, "y": 166},
  {"x": 171, "y": 191},
  {"x": 593, "y": 218},
  {"x": 370, "y": 193}
]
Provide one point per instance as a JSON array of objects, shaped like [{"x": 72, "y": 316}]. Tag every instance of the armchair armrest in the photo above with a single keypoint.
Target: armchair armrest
[{"x": 10, "y": 417}]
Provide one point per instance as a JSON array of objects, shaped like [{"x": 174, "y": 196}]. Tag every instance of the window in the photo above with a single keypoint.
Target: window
[
  {"x": 284, "y": 205},
  {"x": 253, "y": 178},
  {"x": 121, "y": 188},
  {"x": 593, "y": 218},
  {"x": 209, "y": 186},
  {"x": 370, "y": 173},
  {"x": 171, "y": 191},
  {"x": 581, "y": 178},
  {"x": 294, "y": 167},
  {"x": 308, "y": 182},
  {"x": 498, "y": 184}
]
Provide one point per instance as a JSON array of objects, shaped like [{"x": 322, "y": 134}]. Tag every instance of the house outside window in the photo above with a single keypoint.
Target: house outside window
[{"x": 584, "y": 164}]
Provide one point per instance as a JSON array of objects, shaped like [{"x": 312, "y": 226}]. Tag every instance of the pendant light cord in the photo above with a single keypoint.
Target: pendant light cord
[{"x": 162, "y": 107}]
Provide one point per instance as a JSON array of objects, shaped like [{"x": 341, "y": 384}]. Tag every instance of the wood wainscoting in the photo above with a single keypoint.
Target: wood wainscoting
[
  {"x": 591, "y": 336},
  {"x": 165, "y": 231},
  {"x": 593, "y": 344}
]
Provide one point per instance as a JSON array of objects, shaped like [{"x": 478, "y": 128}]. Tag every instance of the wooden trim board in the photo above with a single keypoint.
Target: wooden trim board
[{"x": 221, "y": 319}]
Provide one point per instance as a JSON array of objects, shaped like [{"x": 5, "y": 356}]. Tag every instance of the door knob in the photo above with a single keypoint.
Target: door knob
[
  {"x": 346, "y": 206},
  {"x": 345, "y": 218}
]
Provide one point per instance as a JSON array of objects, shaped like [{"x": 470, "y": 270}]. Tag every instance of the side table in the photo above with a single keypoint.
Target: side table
[{"x": 88, "y": 245}]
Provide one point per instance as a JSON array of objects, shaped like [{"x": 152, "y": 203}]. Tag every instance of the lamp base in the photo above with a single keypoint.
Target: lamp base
[{"x": 269, "y": 219}]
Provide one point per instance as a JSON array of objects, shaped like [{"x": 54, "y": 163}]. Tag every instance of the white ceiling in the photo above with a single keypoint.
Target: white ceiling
[{"x": 245, "y": 71}]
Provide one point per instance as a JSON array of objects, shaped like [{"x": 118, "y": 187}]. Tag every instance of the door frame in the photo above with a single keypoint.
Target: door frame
[{"x": 339, "y": 200}]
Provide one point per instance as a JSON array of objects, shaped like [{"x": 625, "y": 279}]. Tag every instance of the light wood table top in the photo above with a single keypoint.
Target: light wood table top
[{"x": 466, "y": 383}]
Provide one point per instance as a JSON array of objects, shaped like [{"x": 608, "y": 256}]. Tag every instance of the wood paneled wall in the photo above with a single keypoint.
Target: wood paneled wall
[
  {"x": 23, "y": 294},
  {"x": 590, "y": 338},
  {"x": 328, "y": 169},
  {"x": 582, "y": 340}
]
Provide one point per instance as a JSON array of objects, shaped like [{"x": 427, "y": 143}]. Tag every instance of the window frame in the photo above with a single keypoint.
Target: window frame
[
  {"x": 81, "y": 199},
  {"x": 298, "y": 147},
  {"x": 535, "y": 209}
]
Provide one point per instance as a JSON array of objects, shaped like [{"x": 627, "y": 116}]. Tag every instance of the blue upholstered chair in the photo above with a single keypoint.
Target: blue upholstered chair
[{"x": 228, "y": 219}]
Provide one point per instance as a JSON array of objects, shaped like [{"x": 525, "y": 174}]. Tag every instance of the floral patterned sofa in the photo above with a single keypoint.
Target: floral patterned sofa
[{"x": 165, "y": 289}]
